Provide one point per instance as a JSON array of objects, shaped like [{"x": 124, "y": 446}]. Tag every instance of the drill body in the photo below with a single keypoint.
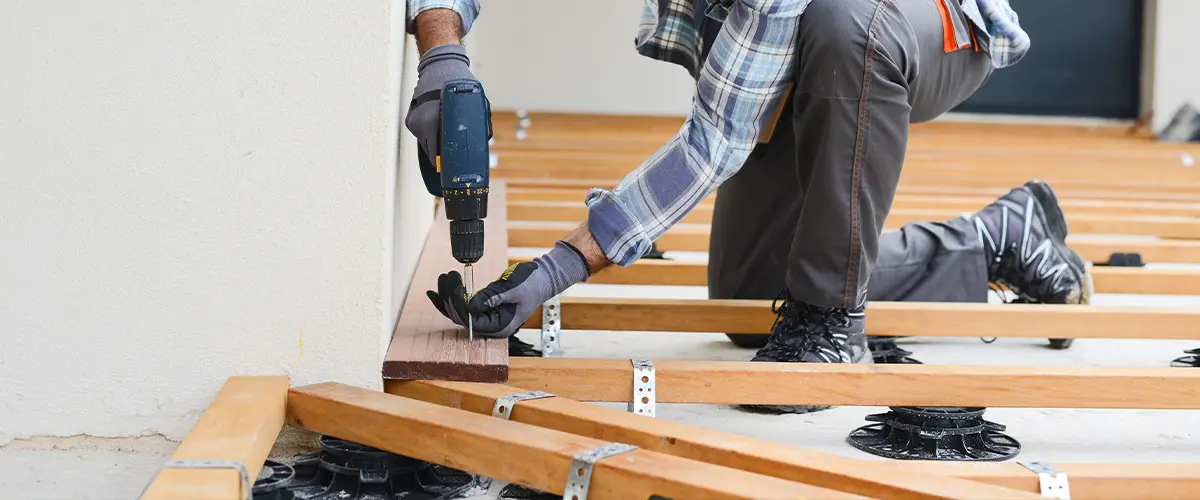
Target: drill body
[{"x": 460, "y": 176}]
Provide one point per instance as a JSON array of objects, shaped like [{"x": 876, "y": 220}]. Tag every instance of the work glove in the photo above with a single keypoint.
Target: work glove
[
  {"x": 439, "y": 65},
  {"x": 500, "y": 308}
]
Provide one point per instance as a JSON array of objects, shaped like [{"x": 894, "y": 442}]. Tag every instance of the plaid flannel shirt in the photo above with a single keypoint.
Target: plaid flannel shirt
[{"x": 741, "y": 80}]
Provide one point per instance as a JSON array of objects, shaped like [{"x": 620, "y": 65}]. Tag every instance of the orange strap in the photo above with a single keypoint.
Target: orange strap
[{"x": 949, "y": 39}]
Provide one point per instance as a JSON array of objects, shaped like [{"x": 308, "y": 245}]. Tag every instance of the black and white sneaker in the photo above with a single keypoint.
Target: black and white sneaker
[
  {"x": 804, "y": 333},
  {"x": 1024, "y": 240}
]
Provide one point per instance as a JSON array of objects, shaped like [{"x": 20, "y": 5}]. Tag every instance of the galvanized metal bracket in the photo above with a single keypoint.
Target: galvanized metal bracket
[
  {"x": 551, "y": 327},
  {"x": 579, "y": 478},
  {"x": 208, "y": 464},
  {"x": 1051, "y": 481},
  {"x": 643, "y": 387},
  {"x": 504, "y": 404}
]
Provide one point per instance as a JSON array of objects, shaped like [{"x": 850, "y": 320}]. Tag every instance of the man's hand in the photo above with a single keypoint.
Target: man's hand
[
  {"x": 502, "y": 307},
  {"x": 439, "y": 65}
]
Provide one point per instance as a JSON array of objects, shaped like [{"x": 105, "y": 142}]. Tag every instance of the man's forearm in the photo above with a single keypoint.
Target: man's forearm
[
  {"x": 581, "y": 238},
  {"x": 437, "y": 27}
]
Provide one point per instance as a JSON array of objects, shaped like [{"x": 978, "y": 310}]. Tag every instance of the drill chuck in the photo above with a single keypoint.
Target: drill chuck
[{"x": 466, "y": 240}]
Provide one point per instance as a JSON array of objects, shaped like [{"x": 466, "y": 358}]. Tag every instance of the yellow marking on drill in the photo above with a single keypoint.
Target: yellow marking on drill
[{"x": 437, "y": 161}]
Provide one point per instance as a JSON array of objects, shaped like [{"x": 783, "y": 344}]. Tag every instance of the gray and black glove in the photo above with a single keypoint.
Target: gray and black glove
[
  {"x": 500, "y": 308},
  {"x": 439, "y": 65}
]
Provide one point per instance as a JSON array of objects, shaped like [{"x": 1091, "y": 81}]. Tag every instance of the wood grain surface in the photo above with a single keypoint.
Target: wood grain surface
[
  {"x": 839, "y": 384},
  {"x": 896, "y": 319},
  {"x": 426, "y": 345},
  {"x": 869, "y": 478},
  {"x": 524, "y": 454},
  {"x": 241, "y": 424}
]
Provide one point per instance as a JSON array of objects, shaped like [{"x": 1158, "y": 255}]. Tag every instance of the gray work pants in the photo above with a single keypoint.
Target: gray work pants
[{"x": 807, "y": 209}]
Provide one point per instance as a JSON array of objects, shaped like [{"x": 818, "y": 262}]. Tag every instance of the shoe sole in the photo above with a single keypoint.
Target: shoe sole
[{"x": 1055, "y": 224}]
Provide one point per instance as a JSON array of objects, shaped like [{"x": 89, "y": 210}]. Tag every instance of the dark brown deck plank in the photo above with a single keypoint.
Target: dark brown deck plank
[{"x": 426, "y": 345}]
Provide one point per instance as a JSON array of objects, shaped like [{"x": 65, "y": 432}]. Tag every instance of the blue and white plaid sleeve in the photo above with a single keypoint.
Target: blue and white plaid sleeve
[
  {"x": 468, "y": 10},
  {"x": 742, "y": 81},
  {"x": 1009, "y": 42}
]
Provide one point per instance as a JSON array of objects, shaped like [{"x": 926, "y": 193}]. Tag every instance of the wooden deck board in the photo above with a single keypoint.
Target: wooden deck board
[{"x": 426, "y": 345}]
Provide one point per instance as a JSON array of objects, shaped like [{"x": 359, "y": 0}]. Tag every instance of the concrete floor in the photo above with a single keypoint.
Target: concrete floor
[{"x": 90, "y": 471}]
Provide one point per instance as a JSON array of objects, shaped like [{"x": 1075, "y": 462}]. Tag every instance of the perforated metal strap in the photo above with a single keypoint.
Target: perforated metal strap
[
  {"x": 504, "y": 404},
  {"x": 643, "y": 387},
  {"x": 579, "y": 478},
  {"x": 551, "y": 327},
  {"x": 1051, "y": 481},
  {"x": 208, "y": 464}
]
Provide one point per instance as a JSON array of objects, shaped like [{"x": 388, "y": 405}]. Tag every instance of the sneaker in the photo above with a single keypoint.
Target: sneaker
[
  {"x": 809, "y": 334},
  {"x": 1024, "y": 240},
  {"x": 519, "y": 349}
]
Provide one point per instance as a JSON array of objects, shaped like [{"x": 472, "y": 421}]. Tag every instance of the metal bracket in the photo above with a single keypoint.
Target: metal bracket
[
  {"x": 504, "y": 404},
  {"x": 643, "y": 387},
  {"x": 551, "y": 327},
  {"x": 207, "y": 464},
  {"x": 1052, "y": 482},
  {"x": 579, "y": 478}
]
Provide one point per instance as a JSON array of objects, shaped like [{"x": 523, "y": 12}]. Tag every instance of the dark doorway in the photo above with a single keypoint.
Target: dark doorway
[{"x": 1085, "y": 60}]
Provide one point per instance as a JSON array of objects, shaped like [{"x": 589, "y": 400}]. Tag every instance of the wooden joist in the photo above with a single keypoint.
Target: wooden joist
[
  {"x": 1088, "y": 481},
  {"x": 949, "y": 203},
  {"x": 694, "y": 237},
  {"x": 931, "y": 188},
  {"x": 240, "y": 425},
  {"x": 902, "y": 319},
  {"x": 1134, "y": 280},
  {"x": 531, "y": 456},
  {"x": 643, "y": 134},
  {"x": 425, "y": 344},
  {"x": 875, "y": 479},
  {"x": 1157, "y": 172},
  {"x": 838, "y": 384},
  {"x": 1163, "y": 226}
]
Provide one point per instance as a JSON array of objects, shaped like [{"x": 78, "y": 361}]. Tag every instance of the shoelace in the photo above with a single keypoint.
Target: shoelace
[{"x": 792, "y": 318}]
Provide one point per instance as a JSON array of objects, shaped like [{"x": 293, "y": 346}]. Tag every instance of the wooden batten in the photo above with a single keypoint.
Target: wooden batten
[
  {"x": 730, "y": 382},
  {"x": 524, "y": 454},
  {"x": 874, "y": 479},
  {"x": 694, "y": 238},
  {"x": 894, "y": 319},
  {"x": 1135, "y": 280},
  {"x": 1088, "y": 481},
  {"x": 426, "y": 345},
  {"x": 948, "y": 203},
  {"x": 932, "y": 188},
  {"x": 241, "y": 425}
]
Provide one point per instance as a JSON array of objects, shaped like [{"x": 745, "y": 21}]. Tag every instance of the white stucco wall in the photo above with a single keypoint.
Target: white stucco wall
[
  {"x": 189, "y": 191},
  {"x": 1176, "y": 63},
  {"x": 573, "y": 56}
]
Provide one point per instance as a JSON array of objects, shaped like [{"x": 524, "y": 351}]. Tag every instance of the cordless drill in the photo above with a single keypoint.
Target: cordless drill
[{"x": 460, "y": 173}]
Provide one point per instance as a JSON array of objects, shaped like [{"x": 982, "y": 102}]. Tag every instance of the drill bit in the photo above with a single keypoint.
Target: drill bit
[{"x": 469, "y": 274}]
